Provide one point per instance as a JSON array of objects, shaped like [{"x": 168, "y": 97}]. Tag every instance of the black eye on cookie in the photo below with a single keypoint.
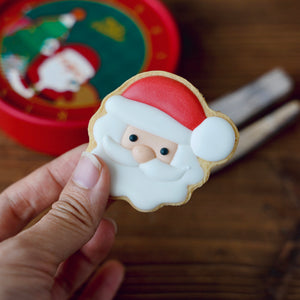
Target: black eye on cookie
[
  {"x": 133, "y": 138},
  {"x": 164, "y": 151}
]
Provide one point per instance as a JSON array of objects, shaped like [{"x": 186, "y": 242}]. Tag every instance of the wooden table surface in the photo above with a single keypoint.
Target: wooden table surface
[{"x": 238, "y": 237}]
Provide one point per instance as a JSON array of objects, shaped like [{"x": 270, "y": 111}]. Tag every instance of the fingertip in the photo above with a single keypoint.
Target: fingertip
[
  {"x": 103, "y": 186},
  {"x": 113, "y": 224},
  {"x": 73, "y": 153},
  {"x": 114, "y": 272},
  {"x": 106, "y": 281},
  {"x": 118, "y": 268},
  {"x": 105, "y": 169},
  {"x": 91, "y": 173}
]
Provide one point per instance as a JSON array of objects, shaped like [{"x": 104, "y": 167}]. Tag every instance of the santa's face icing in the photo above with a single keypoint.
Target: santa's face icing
[
  {"x": 147, "y": 169},
  {"x": 146, "y": 146},
  {"x": 65, "y": 71}
]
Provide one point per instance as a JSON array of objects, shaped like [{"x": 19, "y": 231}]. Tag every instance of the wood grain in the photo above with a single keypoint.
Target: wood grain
[{"x": 236, "y": 238}]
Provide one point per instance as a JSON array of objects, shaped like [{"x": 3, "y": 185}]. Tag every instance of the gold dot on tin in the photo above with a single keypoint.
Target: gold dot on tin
[
  {"x": 155, "y": 30},
  {"x": 62, "y": 115},
  {"x": 161, "y": 55},
  {"x": 139, "y": 8}
]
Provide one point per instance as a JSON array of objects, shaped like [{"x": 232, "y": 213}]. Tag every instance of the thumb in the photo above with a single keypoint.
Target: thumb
[{"x": 74, "y": 218}]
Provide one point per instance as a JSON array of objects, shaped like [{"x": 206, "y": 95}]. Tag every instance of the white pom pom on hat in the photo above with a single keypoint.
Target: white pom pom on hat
[
  {"x": 213, "y": 139},
  {"x": 69, "y": 19},
  {"x": 167, "y": 107}
]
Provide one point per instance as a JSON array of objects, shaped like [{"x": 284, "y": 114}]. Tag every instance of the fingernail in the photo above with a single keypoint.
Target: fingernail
[
  {"x": 112, "y": 221},
  {"x": 87, "y": 171}
]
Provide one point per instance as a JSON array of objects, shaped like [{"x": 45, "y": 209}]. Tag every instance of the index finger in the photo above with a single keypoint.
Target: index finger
[{"x": 25, "y": 199}]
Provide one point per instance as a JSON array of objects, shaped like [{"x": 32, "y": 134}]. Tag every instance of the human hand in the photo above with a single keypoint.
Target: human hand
[{"x": 55, "y": 257}]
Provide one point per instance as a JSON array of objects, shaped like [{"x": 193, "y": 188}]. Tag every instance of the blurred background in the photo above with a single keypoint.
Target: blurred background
[{"x": 238, "y": 237}]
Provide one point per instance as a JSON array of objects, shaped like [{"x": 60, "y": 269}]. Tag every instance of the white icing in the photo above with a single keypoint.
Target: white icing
[
  {"x": 145, "y": 189},
  {"x": 160, "y": 171},
  {"x": 82, "y": 64},
  {"x": 148, "y": 118},
  {"x": 118, "y": 153},
  {"x": 68, "y": 20},
  {"x": 110, "y": 126},
  {"x": 16, "y": 83},
  {"x": 123, "y": 156},
  {"x": 54, "y": 72},
  {"x": 50, "y": 45},
  {"x": 213, "y": 139}
]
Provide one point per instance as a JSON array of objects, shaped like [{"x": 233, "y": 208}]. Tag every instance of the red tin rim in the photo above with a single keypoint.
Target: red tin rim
[
  {"x": 17, "y": 114},
  {"x": 172, "y": 30},
  {"x": 40, "y": 134}
]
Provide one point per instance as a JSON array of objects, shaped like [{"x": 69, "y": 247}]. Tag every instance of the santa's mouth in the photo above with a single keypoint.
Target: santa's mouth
[{"x": 153, "y": 169}]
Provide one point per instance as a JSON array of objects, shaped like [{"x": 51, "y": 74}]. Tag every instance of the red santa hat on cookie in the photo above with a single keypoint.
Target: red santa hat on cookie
[{"x": 168, "y": 108}]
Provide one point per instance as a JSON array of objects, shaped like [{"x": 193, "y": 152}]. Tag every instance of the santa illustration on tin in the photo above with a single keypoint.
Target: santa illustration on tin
[{"x": 45, "y": 66}]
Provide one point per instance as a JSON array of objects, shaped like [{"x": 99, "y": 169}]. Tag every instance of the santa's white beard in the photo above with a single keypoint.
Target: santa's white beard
[
  {"x": 146, "y": 185},
  {"x": 58, "y": 72},
  {"x": 54, "y": 75}
]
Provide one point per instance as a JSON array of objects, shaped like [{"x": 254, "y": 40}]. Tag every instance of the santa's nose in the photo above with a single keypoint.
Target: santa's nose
[{"x": 142, "y": 153}]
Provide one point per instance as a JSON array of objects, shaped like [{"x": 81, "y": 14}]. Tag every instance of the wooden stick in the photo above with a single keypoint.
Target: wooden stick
[
  {"x": 253, "y": 98},
  {"x": 255, "y": 134}
]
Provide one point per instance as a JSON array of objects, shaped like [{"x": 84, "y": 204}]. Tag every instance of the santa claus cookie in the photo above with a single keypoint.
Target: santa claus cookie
[{"x": 159, "y": 139}]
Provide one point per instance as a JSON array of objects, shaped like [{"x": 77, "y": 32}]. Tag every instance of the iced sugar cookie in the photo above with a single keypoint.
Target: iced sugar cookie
[{"x": 159, "y": 139}]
